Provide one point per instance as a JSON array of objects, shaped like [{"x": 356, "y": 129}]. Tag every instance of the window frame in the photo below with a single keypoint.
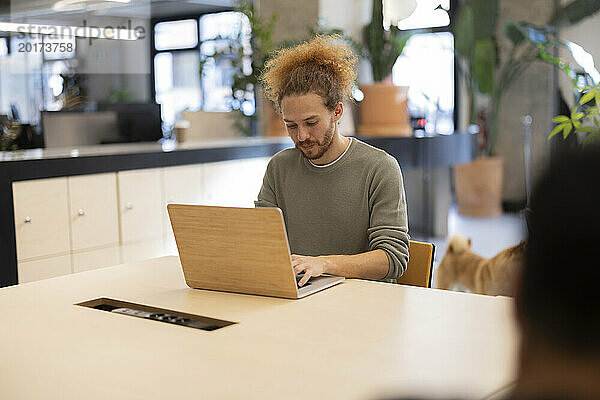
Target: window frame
[
  {"x": 182, "y": 17},
  {"x": 452, "y": 14}
]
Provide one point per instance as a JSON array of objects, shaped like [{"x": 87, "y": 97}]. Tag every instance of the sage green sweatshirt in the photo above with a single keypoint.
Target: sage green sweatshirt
[{"x": 354, "y": 205}]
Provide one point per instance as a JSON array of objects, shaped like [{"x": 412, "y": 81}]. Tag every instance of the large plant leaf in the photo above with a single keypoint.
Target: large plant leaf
[
  {"x": 398, "y": 40},
  {"x": 485, "y": 62},
  {"x": 574, "y": 12},
  {"x": 558, "y": 63},
  {"x": 514, "y": 33},
  {"x": 383, "y": 46},
  {"x": 464, "y": 32},
  {"x": 486, "y": 12}
]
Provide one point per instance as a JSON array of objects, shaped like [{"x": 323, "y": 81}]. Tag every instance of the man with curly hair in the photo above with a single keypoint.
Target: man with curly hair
[{"x": 343, "y": 200}]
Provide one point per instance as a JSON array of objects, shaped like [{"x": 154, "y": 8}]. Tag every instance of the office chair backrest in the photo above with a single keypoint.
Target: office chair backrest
[{"x": 420, "y": 265}]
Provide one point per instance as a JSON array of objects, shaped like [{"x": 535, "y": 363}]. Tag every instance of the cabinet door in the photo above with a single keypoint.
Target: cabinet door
[
  {"x": 140, "y": 204},
  {"x": 94, "y": 259},
  {"x": 233, "y": 183},
  {"x": 41, "y": 217},
  {"x": 45, "y": 268},
  {"x": 93, "y": 211},
  {"x": 139, "y": 251},
  {"x": 183, "y": 185}
]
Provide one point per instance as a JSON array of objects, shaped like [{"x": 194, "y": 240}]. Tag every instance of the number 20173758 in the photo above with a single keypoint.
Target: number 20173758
[{"x": 45, "y": 47}]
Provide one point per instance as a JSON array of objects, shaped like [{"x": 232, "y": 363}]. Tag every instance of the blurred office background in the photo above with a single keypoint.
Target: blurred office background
[{"x": 160, "y": 87}]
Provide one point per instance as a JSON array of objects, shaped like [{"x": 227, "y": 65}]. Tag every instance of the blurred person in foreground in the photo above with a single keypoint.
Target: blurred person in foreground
[{"x": 557, "y": 304}]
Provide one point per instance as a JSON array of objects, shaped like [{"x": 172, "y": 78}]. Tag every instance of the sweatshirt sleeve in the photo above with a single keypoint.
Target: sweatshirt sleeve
[
  {"x": 388, "y": 226},
  {"x": 266, "y": 195}
]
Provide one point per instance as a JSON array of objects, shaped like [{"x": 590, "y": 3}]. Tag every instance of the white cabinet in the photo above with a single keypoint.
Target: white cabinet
[
  {"x": 87, "y": 260},
  {"x": 41, "y": 218},
  {"x": 140, "y": 204},
  {"x": 93, "y": 211},
  {"x": 74, "y": 224},
  {"x": 132, "y": 252},
  {"x": 182, "y": 185},
  {"x": 43, "y": 269},
  {"x": 233, "y": 183}
]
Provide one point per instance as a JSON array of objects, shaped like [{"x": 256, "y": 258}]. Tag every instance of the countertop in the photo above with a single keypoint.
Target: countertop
[{"x": 166, "y": 146}]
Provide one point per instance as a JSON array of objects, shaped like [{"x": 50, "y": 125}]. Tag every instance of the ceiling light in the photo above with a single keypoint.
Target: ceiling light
[{"x": 74, "y": 5}]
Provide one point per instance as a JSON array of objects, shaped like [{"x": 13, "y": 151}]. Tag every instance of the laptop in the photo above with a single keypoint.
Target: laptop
[{"x": 241, "y": 250}]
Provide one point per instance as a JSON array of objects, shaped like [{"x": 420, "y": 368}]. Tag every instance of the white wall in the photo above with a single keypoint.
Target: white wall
[{"x": 351, "y": 16}]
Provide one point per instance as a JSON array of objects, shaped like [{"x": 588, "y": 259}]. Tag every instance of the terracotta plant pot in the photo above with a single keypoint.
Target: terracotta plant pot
[
  {"x": 275, "y": 124},
  {"x": 383, "y": 111},
  {"x": 479, "y": 187}
]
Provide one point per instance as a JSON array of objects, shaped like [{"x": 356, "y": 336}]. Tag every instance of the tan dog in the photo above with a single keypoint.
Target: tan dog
[{"x": 493, "y": 276}]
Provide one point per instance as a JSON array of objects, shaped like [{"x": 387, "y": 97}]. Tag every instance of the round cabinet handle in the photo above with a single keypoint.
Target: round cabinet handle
[
  {"x": 129, "y": 206},
  {"x": 81, "y": 212},
  {"x": 27, "y": 220}
]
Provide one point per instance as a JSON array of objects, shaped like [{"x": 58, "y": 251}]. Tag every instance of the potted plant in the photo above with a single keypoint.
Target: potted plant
[
  {"x": 479, "y": 183},
  {"x": 246, "y": 64},
  {"x": 584, "y": 117},
  {"x": 383, "y": 111},
  {"x": 72, "y": 96},
  {"x": 9, "y": 132}
]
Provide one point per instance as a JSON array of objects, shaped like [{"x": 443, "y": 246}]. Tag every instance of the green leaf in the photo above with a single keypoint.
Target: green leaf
[
  {"x": 592, "y": 137},
  {"x": 485, "y": 63},
  {"x": 560, "y": 118},
  {"x": 574, "y": 12},
  {"x": 558, "y": 63},
  {"x": 587, "y": 97},
  {"x": 591, "y": 112},
  {"x": 567, "y": 130},
  {"x": 585, "y": 129},
  {"x": 486, "y": 16},
  {"x": 464, "y": 32},
  {"x": 514, "y": 33},
  {"x": 598, "y": 99},
  {"x": 575, "y": 116},
  {"x": 556, "y": 129}
]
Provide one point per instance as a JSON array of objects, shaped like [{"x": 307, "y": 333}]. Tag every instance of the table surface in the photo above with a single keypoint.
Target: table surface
[{"x": 357, "y": 340}]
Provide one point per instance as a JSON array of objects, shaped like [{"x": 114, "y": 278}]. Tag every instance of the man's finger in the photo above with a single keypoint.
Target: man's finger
[
  {"x": 297, "y": 259},
  {"x": 305, "y": 278},
  {"x": 299, "y": 268}
]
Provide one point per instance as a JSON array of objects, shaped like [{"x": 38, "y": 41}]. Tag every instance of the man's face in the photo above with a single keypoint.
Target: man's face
[{"x": 308, "y": 122}]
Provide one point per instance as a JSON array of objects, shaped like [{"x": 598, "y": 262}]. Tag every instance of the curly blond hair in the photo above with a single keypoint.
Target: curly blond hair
[{"x": 319, "y": 66}]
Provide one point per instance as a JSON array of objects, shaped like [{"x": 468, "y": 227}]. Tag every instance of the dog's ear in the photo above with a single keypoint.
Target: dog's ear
[
  {"x": 469, "y": 240},
  {"x": 450, "y": 248}
]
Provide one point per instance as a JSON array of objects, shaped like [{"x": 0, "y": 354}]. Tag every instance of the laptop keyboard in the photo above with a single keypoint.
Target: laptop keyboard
[{"x": 298, "y": 277}]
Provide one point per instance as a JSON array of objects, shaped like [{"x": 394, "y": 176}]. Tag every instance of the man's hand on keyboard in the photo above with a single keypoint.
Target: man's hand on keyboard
[{"x": 311, "y": 266}]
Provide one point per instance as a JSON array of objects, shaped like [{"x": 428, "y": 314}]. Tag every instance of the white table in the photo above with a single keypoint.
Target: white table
[{"x": 357, "y": 340}]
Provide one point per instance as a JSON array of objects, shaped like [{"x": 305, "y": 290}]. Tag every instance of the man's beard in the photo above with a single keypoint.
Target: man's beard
[{"x": 317, "y": 150}]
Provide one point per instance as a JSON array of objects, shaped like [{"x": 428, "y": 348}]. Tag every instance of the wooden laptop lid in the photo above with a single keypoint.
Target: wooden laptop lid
[{"x": 243, "y": 250}]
